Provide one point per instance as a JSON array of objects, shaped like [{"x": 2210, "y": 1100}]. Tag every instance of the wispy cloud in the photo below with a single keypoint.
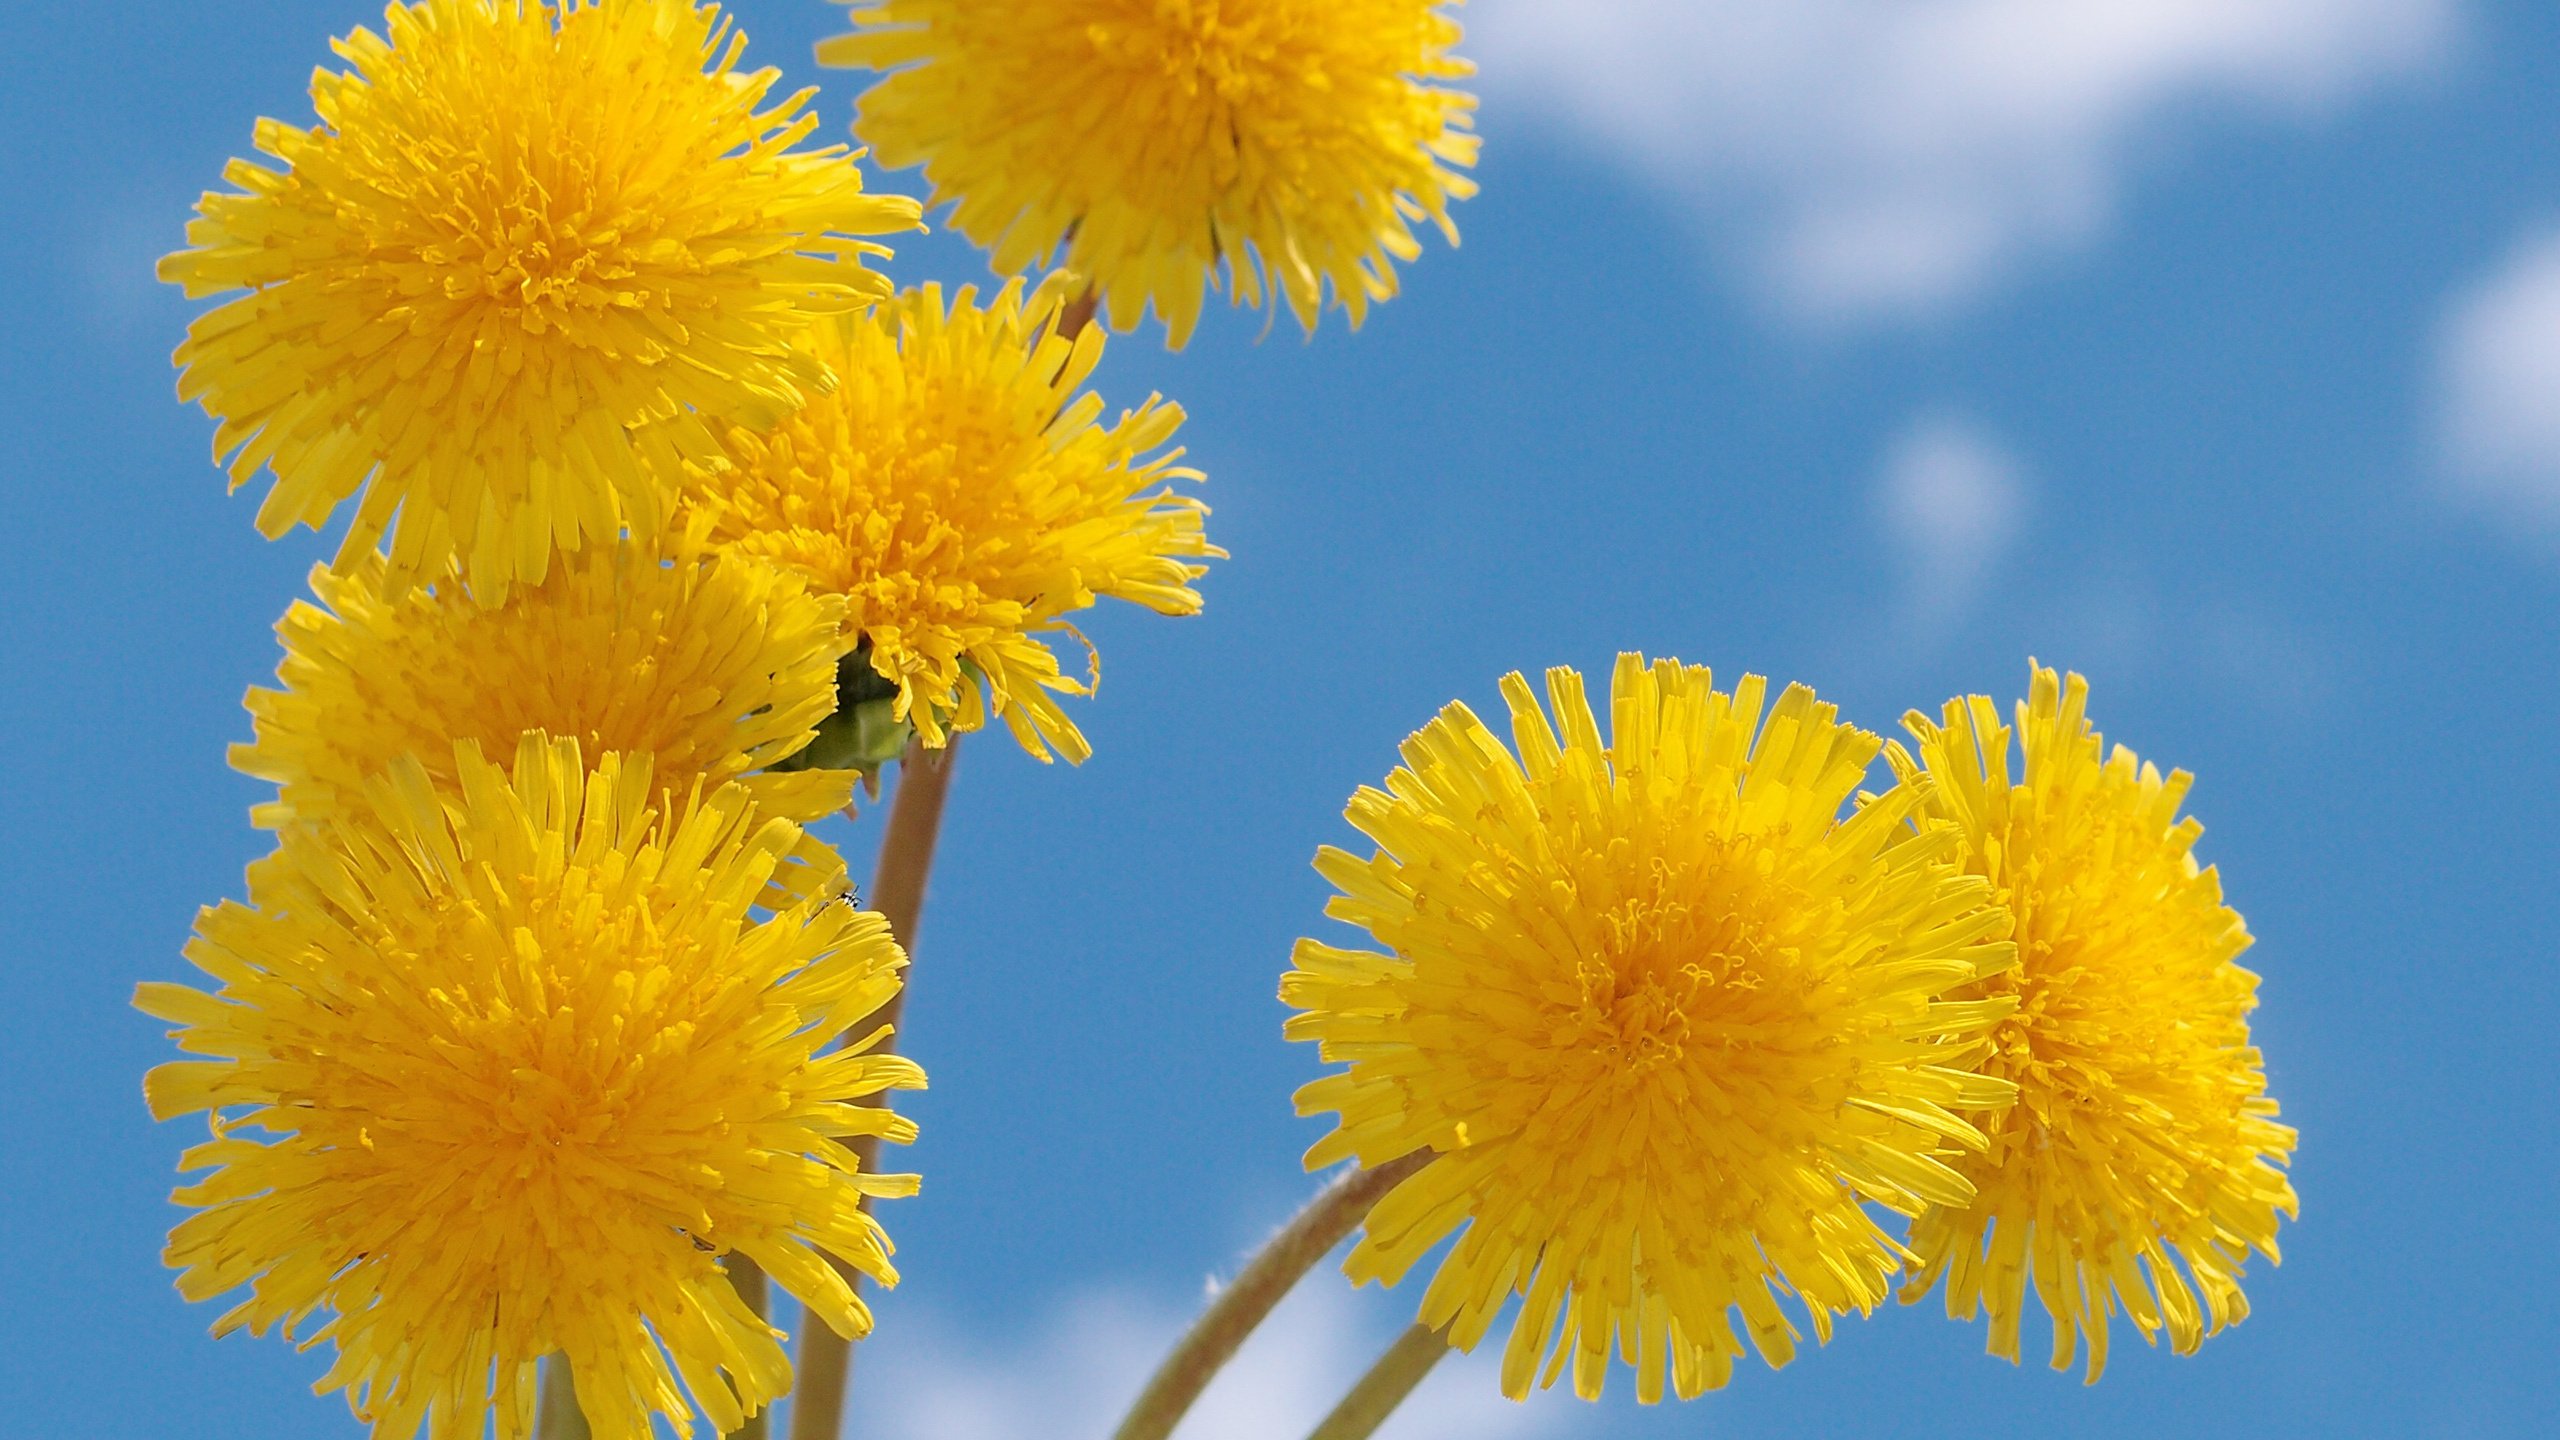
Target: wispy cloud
[
  {"x": 1953, "y": 502},
  {"x": 2499, "y": 386},
  {"x": 1867, "y": 157},
  {"x": 1075, "y": 1370},
  {"x": 110, "y": 268}
]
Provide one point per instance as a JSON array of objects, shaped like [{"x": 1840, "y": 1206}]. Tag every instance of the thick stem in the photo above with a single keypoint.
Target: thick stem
[
  {"x": 1078, "y": 313},
  {"x": 1385, "y": 1386},
  {"x": 747, "y": 1278},
  {"x": 897, "y": 893},
  {"x": 559, "y": 1417},
  {"x": 1212, "y": 1339}
]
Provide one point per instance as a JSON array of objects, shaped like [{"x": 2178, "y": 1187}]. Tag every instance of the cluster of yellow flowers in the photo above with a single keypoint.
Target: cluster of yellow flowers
[
  {"x": 1669, "y": 1023},
  {"x": 550, "y": 1029}
]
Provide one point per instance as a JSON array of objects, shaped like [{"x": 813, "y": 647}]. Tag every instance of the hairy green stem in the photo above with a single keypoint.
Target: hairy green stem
[
  {"x": 1336, "y": 1211},
  {"x": 1385, "y": 1386},
  {"x": 559, "y": 1417},
  {"x": 747, "y": 1278},
  {"x": 897, "y": 893}
]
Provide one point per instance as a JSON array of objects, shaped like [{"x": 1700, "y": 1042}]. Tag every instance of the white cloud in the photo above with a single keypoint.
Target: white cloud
[
  {"x": 1953, "y": 502},
  {"x": 2500, "y": 386},
  {"x": 113, "y": 267},
  {"x": 1891, "y": 156},
  {"x": 1075, "y": 1372}
]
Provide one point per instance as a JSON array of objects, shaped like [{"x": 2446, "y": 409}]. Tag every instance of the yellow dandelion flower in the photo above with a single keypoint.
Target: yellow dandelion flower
[
  {"x": 2143, "y": 1139},
  {"x": 1668, "y": 1021},
  {"x": 1291, "y": 143},
  {"x": 712, "y": 668},
  {"x": 517, "y": 229},
  {"x": 504, "y": 1077},
  {"x": 965, "y": 500}
]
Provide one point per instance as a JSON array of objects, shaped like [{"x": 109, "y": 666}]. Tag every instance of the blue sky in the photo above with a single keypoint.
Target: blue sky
[{"x": 1873, "y": 345}]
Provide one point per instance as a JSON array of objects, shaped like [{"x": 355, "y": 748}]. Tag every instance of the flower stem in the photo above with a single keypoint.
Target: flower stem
[
  {"x": 1078, "y": 313},
  {"x": 1385, "y": 1386},
  {"x": 747, "y": 1278},
  {"x": 897, "y": 893},
  {"x": 559, "y": 1417},
  {"x": 1336, "y": 1211}
]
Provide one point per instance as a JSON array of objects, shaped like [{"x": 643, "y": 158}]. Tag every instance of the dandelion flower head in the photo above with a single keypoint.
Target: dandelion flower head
[
  {"x": 1291, "y": 143},
  {"x": 1667, "y": 1019},
  {"x": 2140, "y": 1165},
  {"x": 495, "y": 1079},
  {"x": 519, "y": 227},
  {"x": 965, "y": 500},
  {"x": 713, "y": 668}
]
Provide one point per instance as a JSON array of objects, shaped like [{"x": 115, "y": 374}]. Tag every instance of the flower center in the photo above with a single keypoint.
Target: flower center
[
  {"x": 539, "y": 1111},
  {"x": 1193, "y": 46},
  {"x": 1646, "y": 998},
  {"x": 1643, "y": 1024},
  {"x": 524, "y": 227}
]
